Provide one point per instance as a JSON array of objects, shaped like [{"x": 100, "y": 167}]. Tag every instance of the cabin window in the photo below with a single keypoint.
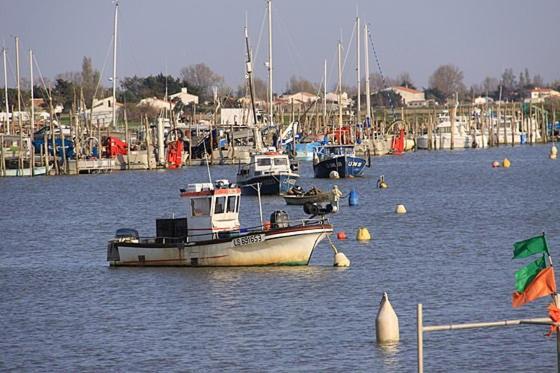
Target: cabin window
[
  {"x": 200, "y": 206},
  {"x": 220, "y": 205},
  {"x": 231, "y": 204},
  {"x": 280, "y": 162},
  {"x": 264, "y": 162}
]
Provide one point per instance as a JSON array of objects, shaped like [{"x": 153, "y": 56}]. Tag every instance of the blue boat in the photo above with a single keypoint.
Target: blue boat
[
  {"x": 272, "y": 171},
  {"x": 339, "y": 158}
]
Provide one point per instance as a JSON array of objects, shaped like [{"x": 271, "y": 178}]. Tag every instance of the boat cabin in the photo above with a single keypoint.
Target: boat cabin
[
  {"x": 270, "y": 163},
  {"x": 211, "y": 209},
  {"x": 335, "y": 150}
]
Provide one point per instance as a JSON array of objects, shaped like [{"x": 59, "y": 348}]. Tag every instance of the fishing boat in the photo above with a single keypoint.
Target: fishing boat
[
  {"x": 271, "y": 172},
  {"x": 211, "y": 235},
  {"x": 339, "y": 158}
]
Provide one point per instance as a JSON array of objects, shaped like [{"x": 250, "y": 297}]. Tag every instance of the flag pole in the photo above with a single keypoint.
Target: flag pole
[{"x": 556, "y": 301}]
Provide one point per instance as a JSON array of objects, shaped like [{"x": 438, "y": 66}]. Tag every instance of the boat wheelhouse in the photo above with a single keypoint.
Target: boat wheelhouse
[
  {"x": 339, "y": 158},
  {"x": 272, "y": 172}
]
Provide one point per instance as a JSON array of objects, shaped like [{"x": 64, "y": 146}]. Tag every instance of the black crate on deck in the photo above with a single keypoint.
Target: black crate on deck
[
  {"x": 171, "y": 228},
  {"x": 279, "y": 219}
]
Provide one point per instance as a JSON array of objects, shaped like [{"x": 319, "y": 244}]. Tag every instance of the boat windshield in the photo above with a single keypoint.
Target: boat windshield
[
  {"x": 340, "y": 150},
  {"x": 200, "y": 206},
  {"x": 231, "y": 204},
  {"x": 264, "y": 161},
  {"x": 220, "y": 205},
  {"x": 280, "y": 162}
]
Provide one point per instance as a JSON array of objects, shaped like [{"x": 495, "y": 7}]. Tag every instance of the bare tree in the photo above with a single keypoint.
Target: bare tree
[
  {"x": 447, "y": 79},
  {"x": 404, "y": 80},
  {"x": 89, "y": 80},
  {"x": 201, "y": 79},
  {"x": 299, "y": 84},
  {"x": 489, "y": 85}
]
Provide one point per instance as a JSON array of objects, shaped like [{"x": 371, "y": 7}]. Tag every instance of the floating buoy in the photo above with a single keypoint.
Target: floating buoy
[
  {"x": 340, "y": 260},
  {"x": 363, "y": 234},
  {"x": 553, "y": 152},
  {"x": 400, "y": 209},
  {"x": 386, "y": 322},
  {"x": 383, "y": 185},
  {"x": 341, "y": 235},
  {"x": 353, "y": 198},
  {"x": 506, "y": 163},
  {"x": 334, "y": 175},
  {"x": 495, "y": 164}
]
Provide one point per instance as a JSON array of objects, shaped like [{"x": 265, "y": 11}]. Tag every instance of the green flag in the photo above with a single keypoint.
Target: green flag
[
  {"x": 525, "y": 275},
  {"x": 535, "y": 245}
]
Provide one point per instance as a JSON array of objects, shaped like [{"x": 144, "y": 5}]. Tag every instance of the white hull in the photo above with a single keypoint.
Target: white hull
[
  {"x": 41, "y": 170},
  {"x": 288, "y": 246}
]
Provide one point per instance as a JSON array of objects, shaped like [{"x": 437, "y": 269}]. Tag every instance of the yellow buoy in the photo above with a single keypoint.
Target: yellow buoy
[
  {"x": 386, "y": 322},
  {"x": 363, "y": 234},
  {"x": 506, "y": 163},
  {"x": 400, "y": 209}
]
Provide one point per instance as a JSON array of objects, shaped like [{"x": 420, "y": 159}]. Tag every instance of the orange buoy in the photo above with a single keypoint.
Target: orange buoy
[
  {"x": 495, "y": 164},
  {"x": 267, "y": 225},
  {"x": 341, "y": 235}
]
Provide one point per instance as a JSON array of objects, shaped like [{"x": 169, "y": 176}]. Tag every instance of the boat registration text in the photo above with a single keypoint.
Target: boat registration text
[{"x": 248, "y": 240}]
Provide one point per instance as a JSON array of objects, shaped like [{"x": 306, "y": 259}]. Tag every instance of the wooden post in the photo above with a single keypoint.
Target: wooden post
[
  {"x": 453, "y": 123},
  {"x": 2, "y": 165},
  {"x": 147, "y": 139},
  {"x": 430, "y": 132},
  {"x": 127, "y": 140},
  {"x": 513, "y": 126},
  {"x": 420, "y": 338}
]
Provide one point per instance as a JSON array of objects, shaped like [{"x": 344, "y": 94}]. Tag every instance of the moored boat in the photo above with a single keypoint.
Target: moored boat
[
  {"x": 339, "y": 158},
  {"x": 272, "y": 172},
  {"x": 211, "y": 235}
]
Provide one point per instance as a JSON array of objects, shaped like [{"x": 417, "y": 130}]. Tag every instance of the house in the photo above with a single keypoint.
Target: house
[
  {"x": 483, "y": 100},
  {"x": 300, "y": 98},
  {"x": 156, "y": 103},
  {"x": 539, "y": 94},
  {"x": 411, "y": 97},
  {"x": 332, "y": 97},
  {"x": 102, "y": 111},
  {"x": 185, "y": 97}
]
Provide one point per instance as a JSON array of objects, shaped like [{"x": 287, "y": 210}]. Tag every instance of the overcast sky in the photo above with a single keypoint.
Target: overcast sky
[{"x": 481, "y": 37}]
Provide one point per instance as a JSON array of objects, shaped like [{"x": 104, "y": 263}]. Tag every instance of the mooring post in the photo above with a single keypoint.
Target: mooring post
[{"x": 419, "y": 330}]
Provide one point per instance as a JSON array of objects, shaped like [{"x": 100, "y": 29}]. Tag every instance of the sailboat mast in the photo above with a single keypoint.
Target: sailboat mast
[
  {"x": 366, "y": 63},
  {"x": 325, "y": 96},
  {"x": 269, "y": 3},
  {"x": 359, "y": 104},
  {"x": 6, "y": 93},
  {"x": 249, "y": 68},
  {"x": 114, "y": 118},
  {"x": 32, "y": 130},
  {"x": 339, "y": 93}
]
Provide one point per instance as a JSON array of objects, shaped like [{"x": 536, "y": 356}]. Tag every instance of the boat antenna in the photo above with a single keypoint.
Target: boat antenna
[{"x": 206, "y": 157}]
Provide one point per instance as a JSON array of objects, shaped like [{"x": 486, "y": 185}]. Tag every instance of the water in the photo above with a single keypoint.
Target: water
[{"x": 63, "y": 309}]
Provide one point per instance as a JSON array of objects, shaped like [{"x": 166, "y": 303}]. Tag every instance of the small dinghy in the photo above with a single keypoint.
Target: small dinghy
[{"x": 296, "y": 196}]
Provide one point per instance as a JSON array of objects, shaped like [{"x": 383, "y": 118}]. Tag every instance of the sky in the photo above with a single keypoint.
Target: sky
[{"x": 481, "y": 37}]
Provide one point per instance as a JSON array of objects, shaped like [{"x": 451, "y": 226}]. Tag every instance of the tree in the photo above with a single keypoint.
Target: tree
[
  {"x": 435, "y": 94},
  {"x": 89, "y": 80},
  {"x": 490, "y": 87},
  {"x": 200, "y": 79},
  {"x": 447, "y": 79},
  {"x": 260, "y": 87},
  {"x": 299, "y": 84},
  {"x": 404, "y": 80},
  {"x": 136, "y": 88},
  {"x": 378, "y": 83}
]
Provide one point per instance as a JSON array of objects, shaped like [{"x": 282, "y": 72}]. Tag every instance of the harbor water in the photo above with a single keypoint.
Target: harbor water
[{"x": 63, "y": 309}]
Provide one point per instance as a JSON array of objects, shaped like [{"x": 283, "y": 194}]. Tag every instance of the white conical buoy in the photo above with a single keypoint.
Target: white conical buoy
[
  {"x": 400, "y": 209},
  {"x": 386, "y": 322},
  {"x": 553, "y": 152},
  {"x": 340, "y": 260}
]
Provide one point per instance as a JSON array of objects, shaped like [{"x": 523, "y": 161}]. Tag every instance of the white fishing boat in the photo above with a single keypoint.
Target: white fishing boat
[
  {"x": 211, "y": 235},
  {"x": 463, "y": 137}
]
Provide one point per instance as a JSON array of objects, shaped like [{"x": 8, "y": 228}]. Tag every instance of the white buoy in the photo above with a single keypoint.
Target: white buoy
[
  {"x": 334, "y": 175},
  {"x": 400, "y": 209},
  {"x": 553, "y": 152},
  {"x": 386, "y": 322},
  {"x": 340, "y": 260}
]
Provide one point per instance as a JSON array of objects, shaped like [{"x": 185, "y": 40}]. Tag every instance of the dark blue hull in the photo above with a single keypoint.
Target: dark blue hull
[
  {"x": 345, "y": 165},
  {"x": 270, "y": 184}
]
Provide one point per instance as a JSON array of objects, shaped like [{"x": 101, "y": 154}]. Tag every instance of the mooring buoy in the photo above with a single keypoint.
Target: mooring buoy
[
  {"x": 340, "y": 260},
  {"x": 400, "y": 209},
  {"x": 341, "y": 235},
  {"x": 386, "y": 322},
  {"x": 353, "y": 198},
  {"x": 553, "y": 152},
  {"x": 506, "y": 163},
  {"x": 334, "y": 175},
  {"x": 363, "y": 234}
]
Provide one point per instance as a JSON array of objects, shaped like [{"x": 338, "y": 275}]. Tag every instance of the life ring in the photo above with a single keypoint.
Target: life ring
[{"x": 271, "y": 153}]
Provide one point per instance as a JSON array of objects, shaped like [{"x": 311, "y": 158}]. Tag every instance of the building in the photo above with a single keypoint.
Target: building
[
  {"x": 102, "y": 111},
  {"x": 483, "y": 100},
  {"x": 185, "y": 97},
  {"x": 539, "y": 94},
  {"x": 411, "y": 97},
  {"x": 332, "y": 97},
  {"x": 300, "y": 98},
  {"x": 156, "y": 103}
]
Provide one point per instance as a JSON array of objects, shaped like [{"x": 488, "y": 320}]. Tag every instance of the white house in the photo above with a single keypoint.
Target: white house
[
  {"x": 409, "y": 95},
  {"x": 156, "y": 103},
  {"x": 483, "y": 100},
  {"x": 185, "y": 97},
  {"x": 300, "y": 98},
  {"x": 102, "y": 111},
  {"x": 539, "y": 94},
  {"x": 333, "y": 97}
]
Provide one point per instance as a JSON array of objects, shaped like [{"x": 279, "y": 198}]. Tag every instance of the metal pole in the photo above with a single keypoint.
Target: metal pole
[
  {"x": 366, "y": 63},
  {"x": 31, "y": 134},
  {"x": 114, "y": 122},
  {"x": 270, "y": 58},
  {"x": 6, "y": 93},
  {"x": 260, "y": 203},
  {"x": 359, "y": 103},
  {"x": 419, "y": 331}
]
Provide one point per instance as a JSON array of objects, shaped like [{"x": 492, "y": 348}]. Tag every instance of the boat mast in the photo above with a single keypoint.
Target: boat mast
[
  {"x": 249, "y": 67},
  {"x": 269, "y": 64},
  {"x": 339, "y": 94},
  {"x": 6, "y": 93},
  {"x": 325, "y": 97},
  {"x": 358, "y": 108},
  {"x": 114, "y": 118},
  {"x": 366, "y": 63},
  {"x": 32, "y": 130},
  {"x": 20, "y": 158}
]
